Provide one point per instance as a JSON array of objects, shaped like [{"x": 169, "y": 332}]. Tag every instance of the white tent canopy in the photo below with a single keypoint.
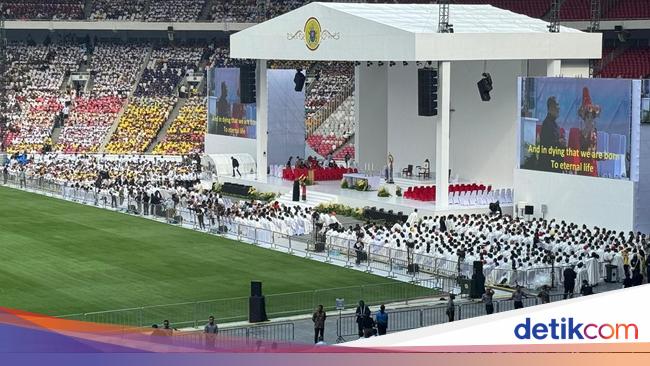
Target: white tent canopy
[
  {"x": 409, "y": 32},
  {"x": 386, "y": 97}
]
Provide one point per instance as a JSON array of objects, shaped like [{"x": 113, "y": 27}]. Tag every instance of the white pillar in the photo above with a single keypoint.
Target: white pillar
[
  {"x": 262, "y": 120},
  {"x": 442, "y": 136},
  {"x": 553, "y": 68}
]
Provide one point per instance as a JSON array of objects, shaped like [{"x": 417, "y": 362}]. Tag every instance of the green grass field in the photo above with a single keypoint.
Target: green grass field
[{"x": 58, "y": 257}]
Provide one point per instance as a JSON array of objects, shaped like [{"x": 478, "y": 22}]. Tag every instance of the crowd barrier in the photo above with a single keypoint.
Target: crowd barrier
[
  {"x": 432, "y": 275},
  {"x": 405, "y": 319},
  {"x": 396, "y": 261}
]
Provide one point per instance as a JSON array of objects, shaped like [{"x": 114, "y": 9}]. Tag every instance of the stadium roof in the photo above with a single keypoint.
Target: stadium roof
[{"x": 409, "y": 32}]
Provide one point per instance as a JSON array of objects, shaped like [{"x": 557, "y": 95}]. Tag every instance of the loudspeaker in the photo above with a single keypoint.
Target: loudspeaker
[
  {"x": 477, "y": 287},
  {"x": 257, "y": 309},
  {"x": 256, "y": 288},
  {"x": 528, "y": 210},
  {"x": 247, "y": 84},
  {"x": 427, "y": 92},
  {"x": 170, "y": 33},
  {"x": 299, "y": 81},
  {"x": 484, "y": 87}
]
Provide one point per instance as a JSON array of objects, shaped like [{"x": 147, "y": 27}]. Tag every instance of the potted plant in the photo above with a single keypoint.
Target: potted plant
[{"x": 383, "y": 192}]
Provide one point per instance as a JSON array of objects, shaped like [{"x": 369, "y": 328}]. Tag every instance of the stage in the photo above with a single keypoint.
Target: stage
[{"x": 331, "y": 192}]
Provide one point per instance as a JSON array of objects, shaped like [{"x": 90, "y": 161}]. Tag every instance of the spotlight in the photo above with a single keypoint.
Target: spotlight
[
  {"x": 299, "y": 80},
  {"x": 419, "y": 64},
  {"x": 621, "y": 34},
  {"x": 368, "y": 64},
  {"x": 429, "y": 63},
  {"x": 404, "y": 63},
  {"x": 391, "y": 64},
  {"x": 485, "y": 86},
  {"x": 380, "y": 63},
  {"x": 357, "y": 63}
]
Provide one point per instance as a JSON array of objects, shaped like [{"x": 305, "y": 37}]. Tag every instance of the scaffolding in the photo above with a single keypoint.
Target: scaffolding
[{"x": 554, "y": 19}]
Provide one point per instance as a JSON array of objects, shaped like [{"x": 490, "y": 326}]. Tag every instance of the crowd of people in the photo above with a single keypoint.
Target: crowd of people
[
  {"x": 174, "y": 10},
  {"x": 513, "y": 251},
  {"x": 115, "y": 67},
  {"x": 117, "y": 9},
  {"x": 139, "y": 125},
  {"x": 88, "y": 124},
  {"x": 167, "y": 67},
  {"x": 39, "y": 9},
  {"x": 187, "y": 132}
]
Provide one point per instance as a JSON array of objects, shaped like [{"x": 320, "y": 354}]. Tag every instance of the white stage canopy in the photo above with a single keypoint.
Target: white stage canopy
[
  {"x": 384, "y": 96},
  {"x": 409, "y": 32}
]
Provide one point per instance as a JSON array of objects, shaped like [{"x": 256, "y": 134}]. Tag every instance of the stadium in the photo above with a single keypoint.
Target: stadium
[{"x": 167, "y": 161}]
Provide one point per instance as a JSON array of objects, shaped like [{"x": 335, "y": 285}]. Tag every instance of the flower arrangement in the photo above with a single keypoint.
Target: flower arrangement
[
  {"x": 254, "y": 194},
  {"x": 344, "y": 184},
  {"x": 383, "y": 192},
  {"x": 342, "y": 210},
  {"x": 361, "y": 185}
]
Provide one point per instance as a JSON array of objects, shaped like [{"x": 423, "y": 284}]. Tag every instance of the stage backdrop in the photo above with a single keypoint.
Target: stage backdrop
[
  {"x": 286, "y": 117},
  {"x": 227, "y": 116},
  {"x": 577, "y": 126}
]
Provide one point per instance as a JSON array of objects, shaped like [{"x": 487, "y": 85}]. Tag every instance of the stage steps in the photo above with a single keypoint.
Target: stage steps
[
  {"x": 313, "y": 198},
  {"x": 405, "y": 183}
]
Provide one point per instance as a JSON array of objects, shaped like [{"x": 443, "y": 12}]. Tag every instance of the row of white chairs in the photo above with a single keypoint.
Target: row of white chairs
[{"x": 473, "y": 198}]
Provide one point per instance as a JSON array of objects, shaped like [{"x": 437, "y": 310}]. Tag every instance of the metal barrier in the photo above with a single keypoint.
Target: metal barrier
[
  {"x": 191, "y": 314},
  {"x": 404, "y": 319},
  {"x": 390, "y": 262},
  {"x": 237, "y": 337}
]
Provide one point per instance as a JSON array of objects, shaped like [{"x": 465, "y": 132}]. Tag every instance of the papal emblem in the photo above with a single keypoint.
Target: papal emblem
[{"x": 312, "y": 33}]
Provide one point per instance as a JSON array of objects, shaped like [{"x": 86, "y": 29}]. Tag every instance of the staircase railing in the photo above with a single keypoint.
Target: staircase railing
[{"x": 323, "y": 113}]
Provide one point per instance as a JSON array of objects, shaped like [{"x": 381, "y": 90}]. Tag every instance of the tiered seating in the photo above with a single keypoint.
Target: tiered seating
[
  {"x": 576, "y": 10},
  {"x": 629, "y": 9},
  {"x": 174, "y": 10},
  {"x": 36, "y": 122},
  {"x": 117, "y": 9},
  {"x": 115, "y": 68},
  {"x": 347, "y": 149},
  {"x": 167, "y": 66},
  {"x": 324, "y": 145},
  {"x": 139, "y": 125},
  {"x": 36, "y": 73},
  {"x": 244, "y": 11},
  {"x": 633, "y": 63},
  {"x": 39, "y": 9},
  {"x": 41, "y": 67},
  {"x": 186, "y": 134},
  {"x": 88, "y": 123},
  {"x": 332, "y": 78}
]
